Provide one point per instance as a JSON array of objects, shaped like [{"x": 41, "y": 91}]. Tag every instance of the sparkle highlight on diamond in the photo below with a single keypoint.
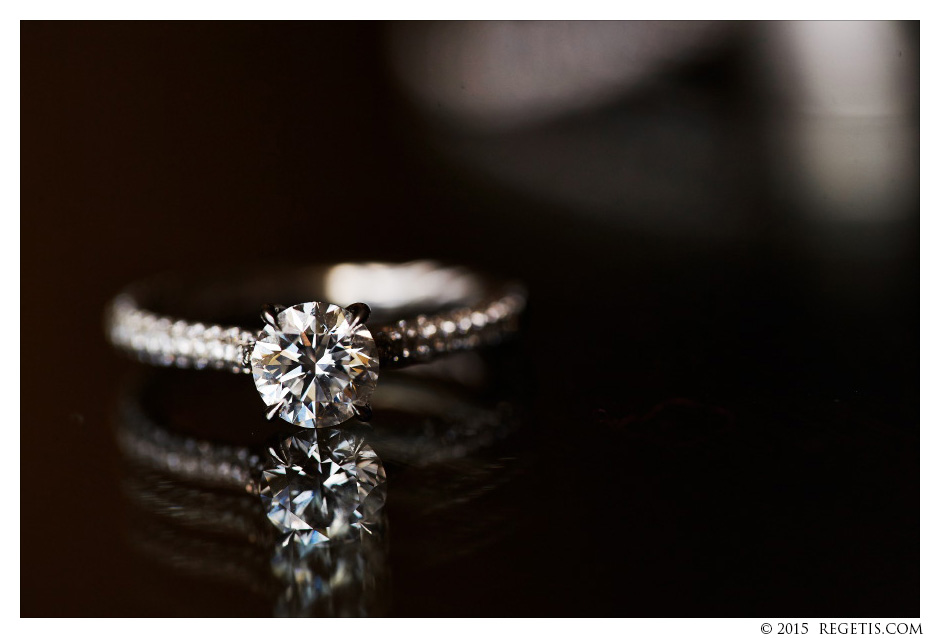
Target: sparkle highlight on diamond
[{"x": 315, "y": 365}]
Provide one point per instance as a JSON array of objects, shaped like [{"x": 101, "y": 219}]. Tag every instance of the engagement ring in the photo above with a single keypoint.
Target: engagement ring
[{"x": 316, "y": 363}]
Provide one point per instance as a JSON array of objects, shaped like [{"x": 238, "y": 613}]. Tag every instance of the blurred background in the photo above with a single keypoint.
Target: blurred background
[{"x": 718, "y": 225}]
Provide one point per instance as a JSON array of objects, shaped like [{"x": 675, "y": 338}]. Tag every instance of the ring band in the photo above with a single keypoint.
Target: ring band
[{"x": 315, "y": 363}]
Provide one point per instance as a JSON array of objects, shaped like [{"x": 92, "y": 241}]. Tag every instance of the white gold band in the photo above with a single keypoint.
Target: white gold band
[{"x": 464, "y": 312}]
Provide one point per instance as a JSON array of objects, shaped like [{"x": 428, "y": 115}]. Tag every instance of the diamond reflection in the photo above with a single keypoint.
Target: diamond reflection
[
  {"x": 323, "y": 487},
  {"x": 301, "y": 522},
  {"x": 199, "y": 511}
]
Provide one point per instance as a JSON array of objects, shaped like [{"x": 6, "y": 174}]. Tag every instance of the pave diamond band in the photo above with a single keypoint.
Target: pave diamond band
[
  {"x": 315, "y": 363},
  {"x": 160, "y": 340}
]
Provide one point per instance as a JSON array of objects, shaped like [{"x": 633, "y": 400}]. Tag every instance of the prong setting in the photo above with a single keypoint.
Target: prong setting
[
  {"x": 274, "y": 410},
  {"x": 269, "y": 313},
  {"x": 360, "y": 312},
  {"x": 363, "y": 412}
]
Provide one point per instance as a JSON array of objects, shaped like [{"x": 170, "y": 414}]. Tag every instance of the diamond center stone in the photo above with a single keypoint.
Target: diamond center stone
[{"x": 315, "y": 365}]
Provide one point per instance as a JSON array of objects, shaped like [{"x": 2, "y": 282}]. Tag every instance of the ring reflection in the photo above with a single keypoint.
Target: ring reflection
[{"x": 300, "y": 520}]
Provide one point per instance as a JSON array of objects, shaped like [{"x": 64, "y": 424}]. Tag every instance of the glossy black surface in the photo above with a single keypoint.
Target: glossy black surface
[{"x": 709, "y": 426}]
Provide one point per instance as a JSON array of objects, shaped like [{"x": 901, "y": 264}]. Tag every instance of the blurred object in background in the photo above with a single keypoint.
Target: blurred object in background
[
  {"x": 841, "y": 126},
  {"x": 546, "y": 108},
  {"x": 507, "y": 75},
  {"x": 671, "y": 128},
  {"x": 842, "y": 112}
]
